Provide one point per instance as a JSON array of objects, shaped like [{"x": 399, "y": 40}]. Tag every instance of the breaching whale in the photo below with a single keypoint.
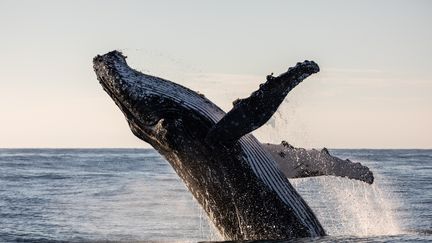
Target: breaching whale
[{"x": 237, "y": 180}]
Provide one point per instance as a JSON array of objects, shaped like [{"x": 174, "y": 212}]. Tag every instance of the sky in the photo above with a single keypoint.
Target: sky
[{"x": 374, "y": 89}]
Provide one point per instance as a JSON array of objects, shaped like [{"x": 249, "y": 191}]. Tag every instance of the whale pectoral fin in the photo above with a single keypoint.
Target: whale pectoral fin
[
  {"x": 251, "y": 113},
  {"x": 299, "y": 162}
]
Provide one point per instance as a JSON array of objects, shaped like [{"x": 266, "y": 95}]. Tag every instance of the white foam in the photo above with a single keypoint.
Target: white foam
[{"x": 349, "y": 207}]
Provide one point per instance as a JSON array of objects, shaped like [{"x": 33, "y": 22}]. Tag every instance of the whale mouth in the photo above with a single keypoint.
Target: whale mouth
[
  {"x": 108, "y": 77},
  {"x": 149, "y": 102},
  {"x": 105, "y": 75},
  {"x": 108, "y": 69}
]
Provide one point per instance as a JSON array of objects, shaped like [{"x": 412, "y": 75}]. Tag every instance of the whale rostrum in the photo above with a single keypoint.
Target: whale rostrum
[{"x": 240, "y": 183}]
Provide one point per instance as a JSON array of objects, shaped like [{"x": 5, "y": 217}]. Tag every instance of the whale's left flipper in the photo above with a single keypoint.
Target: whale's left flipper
[
  {"x": 299, "y": 162},
  {"x": 250, "y": 113}
]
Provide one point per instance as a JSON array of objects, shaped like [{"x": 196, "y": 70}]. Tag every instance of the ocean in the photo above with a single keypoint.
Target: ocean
[{"x": 134, "y": 195}]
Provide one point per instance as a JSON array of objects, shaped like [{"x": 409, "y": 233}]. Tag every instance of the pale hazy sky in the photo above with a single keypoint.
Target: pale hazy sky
[{"x": 374, "y": 89}]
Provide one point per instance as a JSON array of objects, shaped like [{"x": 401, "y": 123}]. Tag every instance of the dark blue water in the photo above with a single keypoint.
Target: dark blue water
[{"x": 134, "y": 195}]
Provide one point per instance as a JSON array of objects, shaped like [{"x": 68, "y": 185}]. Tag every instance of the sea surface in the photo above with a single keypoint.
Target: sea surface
[{"x": 134, "y": 195}]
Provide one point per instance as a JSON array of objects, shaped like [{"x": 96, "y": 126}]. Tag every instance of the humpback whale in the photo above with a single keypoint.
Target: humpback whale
[{"x": 238, "y": 181}]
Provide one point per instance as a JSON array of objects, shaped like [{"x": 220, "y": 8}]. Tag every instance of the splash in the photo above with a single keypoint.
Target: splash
[
  {"x": 349, "y": 207},
  {"x": 208, "y": 231}
]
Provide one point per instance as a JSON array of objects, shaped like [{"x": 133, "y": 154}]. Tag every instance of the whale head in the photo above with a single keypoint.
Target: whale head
[{"x": 153, "y": 106}]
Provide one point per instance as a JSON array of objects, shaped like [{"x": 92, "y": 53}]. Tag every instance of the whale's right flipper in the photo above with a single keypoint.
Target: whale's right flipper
[
  {"x": 250, "y": 113},
  {"x": 299, "y": 162}
]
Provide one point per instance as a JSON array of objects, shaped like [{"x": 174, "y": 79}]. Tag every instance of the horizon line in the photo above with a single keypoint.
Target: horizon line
[{"x": 107, "y": 148}]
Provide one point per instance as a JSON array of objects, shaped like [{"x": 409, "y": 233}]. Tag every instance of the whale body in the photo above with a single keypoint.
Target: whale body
[{"x": 234, "y": 177}]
